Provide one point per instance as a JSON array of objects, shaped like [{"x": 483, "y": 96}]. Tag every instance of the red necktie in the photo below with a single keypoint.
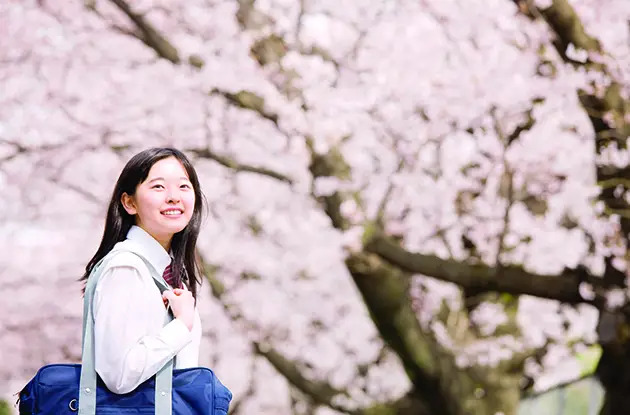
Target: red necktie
[{"x": 169, "y": 277}]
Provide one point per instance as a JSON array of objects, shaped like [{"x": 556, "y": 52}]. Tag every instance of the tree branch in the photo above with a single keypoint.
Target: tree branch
[
  {"x": 526, "y": 125},
  {"x": 330, "y": 164},
  {"x": 249, "y": 101},
  {"x": 242, "y": 99},
  {"x": 148, "y": 34},
  {"x": 385, "y": 290},
  {"x": 409, "y": 404},
  {"x": 239, "y": 167},
  {"x": 320, "y": 392},
  {"x": 482, "y": 278},
  {"x": 568, "y": 28}
]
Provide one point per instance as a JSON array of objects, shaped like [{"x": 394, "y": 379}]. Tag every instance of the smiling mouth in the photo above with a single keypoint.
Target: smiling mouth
[{"x": 174, "y": 212}]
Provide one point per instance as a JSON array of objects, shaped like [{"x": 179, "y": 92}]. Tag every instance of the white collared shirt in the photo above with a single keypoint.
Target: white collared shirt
[{"x": 131, "y": 342}]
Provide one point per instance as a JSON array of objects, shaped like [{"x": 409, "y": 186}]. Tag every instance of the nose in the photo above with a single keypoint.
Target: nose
[{"x": 172, "y": 196}]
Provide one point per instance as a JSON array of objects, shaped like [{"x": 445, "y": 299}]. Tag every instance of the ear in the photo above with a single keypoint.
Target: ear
[{"x": 129, "y": 204}]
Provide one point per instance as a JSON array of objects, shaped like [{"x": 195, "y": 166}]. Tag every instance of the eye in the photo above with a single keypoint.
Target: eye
[
  {"x": 157, "y": 186},
  {"x": 184, "y": 186}
]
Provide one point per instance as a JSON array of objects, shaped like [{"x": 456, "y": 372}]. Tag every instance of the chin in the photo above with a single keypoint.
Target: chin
[{"x": 175, "y": 229}]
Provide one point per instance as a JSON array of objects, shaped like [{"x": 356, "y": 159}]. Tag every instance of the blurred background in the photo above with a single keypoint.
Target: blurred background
[{"x": 416, "y": 207}]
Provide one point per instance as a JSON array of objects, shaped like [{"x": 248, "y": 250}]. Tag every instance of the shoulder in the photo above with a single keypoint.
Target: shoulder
[
  {"x": 121, "y": 256},
  {"x": 121, "y": 268},
  {"x": 123, "y": 259}
]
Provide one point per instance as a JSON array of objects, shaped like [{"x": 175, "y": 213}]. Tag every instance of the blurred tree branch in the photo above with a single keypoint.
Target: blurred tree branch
[
  {"x": 483, "y": 278},
  {"x": 320, "y": 392},
  {"x": 249, "y": 101},
  {"x": 236, "y": 166},
  {"x": 242, "y": 99},
  {"x": 385, "y": 292},
  {"x": 148, "y": 34}
]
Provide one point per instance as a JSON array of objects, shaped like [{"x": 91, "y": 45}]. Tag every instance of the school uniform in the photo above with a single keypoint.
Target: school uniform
[{"x": 131, "y": 342}]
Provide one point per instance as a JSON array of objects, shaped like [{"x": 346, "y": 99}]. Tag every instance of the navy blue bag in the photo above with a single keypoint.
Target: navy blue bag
[
  {"x": 71, "y": 388},
  {"x": 55, "y": 390}
]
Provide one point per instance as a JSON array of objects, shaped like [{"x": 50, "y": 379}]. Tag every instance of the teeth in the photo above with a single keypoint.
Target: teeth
[{"x": 173, "y": 212}]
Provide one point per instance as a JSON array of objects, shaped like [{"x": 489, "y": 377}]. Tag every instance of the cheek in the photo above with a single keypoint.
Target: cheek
[
  {"x": 189, "y": 203},
  {"x": 147, "y": 205}
]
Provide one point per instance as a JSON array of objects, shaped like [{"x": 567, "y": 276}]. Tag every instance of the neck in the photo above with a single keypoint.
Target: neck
[
  {"x": 164, "y": 240},
  {"x": 165, "y": 244}
]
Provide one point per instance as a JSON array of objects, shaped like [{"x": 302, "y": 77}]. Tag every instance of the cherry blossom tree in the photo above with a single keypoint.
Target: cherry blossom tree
[{"x": 415, "y": 207}]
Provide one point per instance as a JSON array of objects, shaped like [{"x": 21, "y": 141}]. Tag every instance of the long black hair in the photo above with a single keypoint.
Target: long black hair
[{"x": 185, "y": 266}]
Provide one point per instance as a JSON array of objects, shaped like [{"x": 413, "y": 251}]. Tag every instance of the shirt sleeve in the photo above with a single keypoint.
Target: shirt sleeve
[{"x": 129, "y": 349}]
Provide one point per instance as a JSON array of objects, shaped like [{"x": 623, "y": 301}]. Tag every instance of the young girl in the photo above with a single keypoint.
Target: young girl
[{"x": 155, "y": 212}]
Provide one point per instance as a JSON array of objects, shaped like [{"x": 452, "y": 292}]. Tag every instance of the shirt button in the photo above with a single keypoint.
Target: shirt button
[
  {"x": 87, "y": 390},
  {"x": 163, "y": 393}
]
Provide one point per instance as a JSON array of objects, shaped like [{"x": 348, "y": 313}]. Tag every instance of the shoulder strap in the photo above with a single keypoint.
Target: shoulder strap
[{"x": 87, "y": 392}]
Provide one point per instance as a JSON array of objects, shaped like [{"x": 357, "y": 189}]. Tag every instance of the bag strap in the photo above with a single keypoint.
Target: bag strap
[{"x": 87, "y": 391}]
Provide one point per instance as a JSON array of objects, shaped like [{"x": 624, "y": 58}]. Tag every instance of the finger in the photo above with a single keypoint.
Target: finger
[{"x": 168, "y": 295}]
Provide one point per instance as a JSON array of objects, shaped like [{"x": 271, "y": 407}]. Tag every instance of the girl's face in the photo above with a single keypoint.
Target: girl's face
[{"x": 164, "y": 202}]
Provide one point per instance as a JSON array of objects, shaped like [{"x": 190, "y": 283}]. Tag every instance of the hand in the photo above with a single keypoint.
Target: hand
[{"x": 182, "y": 303}]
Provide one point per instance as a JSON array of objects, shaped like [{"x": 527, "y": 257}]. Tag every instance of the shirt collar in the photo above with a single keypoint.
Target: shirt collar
[{"x": 149, "y": 248}]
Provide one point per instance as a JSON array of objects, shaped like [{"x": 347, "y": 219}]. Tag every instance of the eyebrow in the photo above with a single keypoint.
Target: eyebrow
[{"x": 162, "y": 178}]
